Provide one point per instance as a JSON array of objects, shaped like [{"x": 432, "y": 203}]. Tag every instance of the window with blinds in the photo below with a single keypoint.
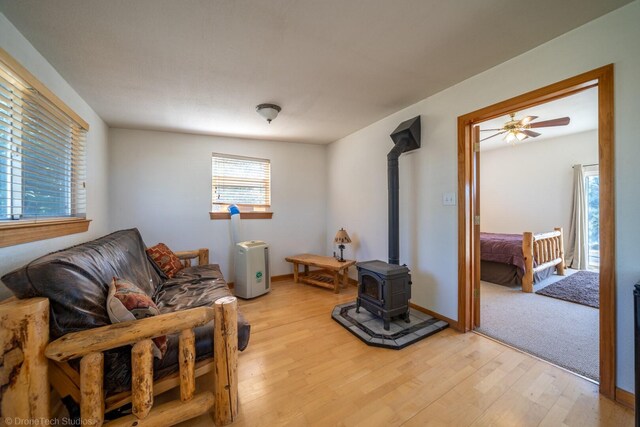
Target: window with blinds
[
  {"x": 243, "y": 181},
  {"x": 42, "y": 154}
]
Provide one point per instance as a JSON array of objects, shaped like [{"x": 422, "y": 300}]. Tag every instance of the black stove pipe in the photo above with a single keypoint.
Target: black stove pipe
[
  {"x": 406, "y": 138},
  {"x": 394, "y": 200}
]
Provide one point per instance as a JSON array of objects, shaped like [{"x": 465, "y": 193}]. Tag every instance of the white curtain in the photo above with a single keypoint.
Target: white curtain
[{"x": 577, "y": 246}]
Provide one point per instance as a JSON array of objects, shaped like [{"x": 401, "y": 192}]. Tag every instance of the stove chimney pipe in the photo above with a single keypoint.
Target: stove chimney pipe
[{"x": 406, "y": 138}]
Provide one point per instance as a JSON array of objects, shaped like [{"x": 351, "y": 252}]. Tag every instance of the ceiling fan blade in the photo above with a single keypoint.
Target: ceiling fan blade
[
  {"x": 495, "y": 134},
  {"x": 530, "y": 133},
  {"x": 527, "y": 120},
  {"x": 487, "y": 130},
  {"x": 563, "y": 121}
]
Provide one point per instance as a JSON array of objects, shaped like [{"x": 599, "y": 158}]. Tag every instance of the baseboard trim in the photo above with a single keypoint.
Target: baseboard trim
[
  {"x": 451, "y": 322},
  {"x": 625, "y": 398}
]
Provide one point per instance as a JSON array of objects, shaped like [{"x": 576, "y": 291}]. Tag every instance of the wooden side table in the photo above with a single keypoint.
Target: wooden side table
[
  {"x": 327, "y": 277},
  {"x": 24, "y": 374}
]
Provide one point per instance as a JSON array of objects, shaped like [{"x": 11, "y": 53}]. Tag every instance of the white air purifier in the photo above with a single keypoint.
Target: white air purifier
[{"x": 252, "y": 269}]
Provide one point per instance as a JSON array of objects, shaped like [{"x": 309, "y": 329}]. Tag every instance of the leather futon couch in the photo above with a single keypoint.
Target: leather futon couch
[{"x": 76, "y": 282}]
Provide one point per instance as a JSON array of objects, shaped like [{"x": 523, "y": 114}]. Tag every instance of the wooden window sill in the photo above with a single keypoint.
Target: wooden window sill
[
  {"x": 18, "y": 232},
  {"x": 243, "y": 215}
]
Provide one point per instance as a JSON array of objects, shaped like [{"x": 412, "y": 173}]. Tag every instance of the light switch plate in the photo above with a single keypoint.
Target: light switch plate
[{"x": 448, "y": 199}]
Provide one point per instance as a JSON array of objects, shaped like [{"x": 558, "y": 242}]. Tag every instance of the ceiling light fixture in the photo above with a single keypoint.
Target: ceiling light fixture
[
  {"x": 514, "y": 135},
  {"x": 268, "y": 111}
]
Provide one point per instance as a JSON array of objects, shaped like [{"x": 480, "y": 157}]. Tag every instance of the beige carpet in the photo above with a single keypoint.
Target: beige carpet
[{"x": 561, "y": 332}]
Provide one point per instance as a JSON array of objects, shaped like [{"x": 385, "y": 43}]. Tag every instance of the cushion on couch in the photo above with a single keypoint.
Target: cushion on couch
[
  {"x": 192, "y": 287},
  {"x": 126, "y": 302},
  {"x": 196, "y": 286},
  {"x": 165, "y": 259}
]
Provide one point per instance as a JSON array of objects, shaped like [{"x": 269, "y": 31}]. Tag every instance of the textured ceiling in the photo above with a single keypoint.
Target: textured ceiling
[
  {"x": 334, "y": 66},
  {"x": 581, "y": 108}
]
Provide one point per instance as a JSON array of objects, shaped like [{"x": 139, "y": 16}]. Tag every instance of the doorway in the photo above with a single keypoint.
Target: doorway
[
  {"x": 468, "y": 207},
  {"x": 536, "y": 168}
]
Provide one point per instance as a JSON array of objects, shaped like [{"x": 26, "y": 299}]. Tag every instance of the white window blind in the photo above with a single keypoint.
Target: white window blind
[
  {"x": 243, "y": 181},
  {"x": 42, "y": 155}
]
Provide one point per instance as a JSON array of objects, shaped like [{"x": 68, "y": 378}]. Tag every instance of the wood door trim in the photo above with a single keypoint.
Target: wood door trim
[
  {"x": 465, "y": 228},
  {"x": 602, "y": 78},
  {"x": 475, "y": 139}
]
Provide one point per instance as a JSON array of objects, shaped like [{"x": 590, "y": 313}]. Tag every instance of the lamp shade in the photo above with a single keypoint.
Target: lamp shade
[{"x": 342, "y": 237}]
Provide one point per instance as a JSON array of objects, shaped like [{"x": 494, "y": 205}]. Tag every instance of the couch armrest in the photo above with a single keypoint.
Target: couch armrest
[
  {"x": 202, "y": 254},
  {"x": 79, "y": 344}
]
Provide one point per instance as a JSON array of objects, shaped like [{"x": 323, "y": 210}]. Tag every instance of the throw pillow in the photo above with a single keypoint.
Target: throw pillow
[
  {"x": 165, "y": 259},
  {"x": 126, "y": 302}
]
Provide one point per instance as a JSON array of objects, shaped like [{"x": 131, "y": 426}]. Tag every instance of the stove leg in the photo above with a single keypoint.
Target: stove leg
[
  {"x": 386, "y": 324},
  {"x": 357, "y": 306},
  {"x": 406, "y": 317}
]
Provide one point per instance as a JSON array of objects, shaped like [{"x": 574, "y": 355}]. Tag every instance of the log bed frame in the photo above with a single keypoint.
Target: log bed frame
[
  {"x": 547, "y": 249},
  {"x": 86, "y": 386}
]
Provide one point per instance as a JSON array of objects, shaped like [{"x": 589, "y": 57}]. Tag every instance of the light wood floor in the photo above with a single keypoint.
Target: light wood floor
[{"x": 302, "y": 368}]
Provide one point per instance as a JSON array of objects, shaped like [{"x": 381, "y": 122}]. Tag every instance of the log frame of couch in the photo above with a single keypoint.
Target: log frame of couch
[
  {"x": 86, "y": 387},
  {"x": 24, "y": 333},
  {"x": 201, "y": 254}
]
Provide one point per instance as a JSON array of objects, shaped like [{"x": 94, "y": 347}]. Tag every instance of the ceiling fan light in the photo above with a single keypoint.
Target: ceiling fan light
[
  {"x": 268, "y": 111},
  {"x": 521, "y": 136},
  {"x": 525, "y": 121},
  {"x": 510, "y": 137}
]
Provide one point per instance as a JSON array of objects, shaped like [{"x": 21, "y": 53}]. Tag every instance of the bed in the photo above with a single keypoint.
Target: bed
[{"x": 521, "y": 259}]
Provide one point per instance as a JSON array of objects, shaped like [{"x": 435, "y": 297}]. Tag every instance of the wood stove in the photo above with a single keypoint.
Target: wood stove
[{"x": 384, "y": 290}]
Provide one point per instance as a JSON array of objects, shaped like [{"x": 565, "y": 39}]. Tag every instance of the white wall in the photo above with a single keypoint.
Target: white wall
[
  {"x": 15, "y": 256},
  {"x": 529, "y": 187},
  {"x": 160, "y": 182},
  {"x": 357, "y": 171}
]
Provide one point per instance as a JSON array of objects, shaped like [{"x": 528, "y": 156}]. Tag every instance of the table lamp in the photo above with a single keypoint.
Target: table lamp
[{"x": 341, "y": 238}]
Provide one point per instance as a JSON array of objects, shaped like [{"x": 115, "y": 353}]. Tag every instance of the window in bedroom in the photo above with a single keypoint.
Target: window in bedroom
[
  {"x": 243, "y": 181},
  {"x": 42, "y": 160},
  {"x": 592, "y": 192}
]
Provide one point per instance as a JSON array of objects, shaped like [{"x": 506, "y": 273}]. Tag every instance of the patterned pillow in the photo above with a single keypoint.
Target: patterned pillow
[
  {"x": 164, "y": 258},
  {"x": 126, "y": 302}
]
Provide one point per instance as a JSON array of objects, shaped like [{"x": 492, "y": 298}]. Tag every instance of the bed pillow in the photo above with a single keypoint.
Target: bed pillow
[
  {"x": 165, "y": 259},
  {"x": 126, "y": 302}
]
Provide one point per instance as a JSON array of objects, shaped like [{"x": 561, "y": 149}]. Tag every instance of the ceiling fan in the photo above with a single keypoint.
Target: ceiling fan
[{"x": 521, "y": 129}]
